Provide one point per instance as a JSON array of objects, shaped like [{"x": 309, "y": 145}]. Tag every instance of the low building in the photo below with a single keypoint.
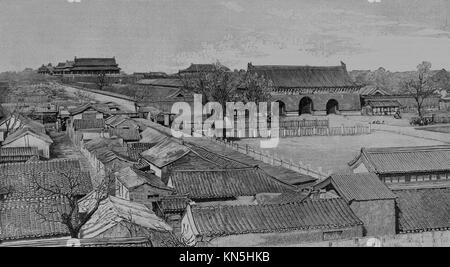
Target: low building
[
  {"x": 369, "y": 198},
  {"x": 238, "y": 186},
  {"x": 152, "y": 136},
  {"x": 119, "y": 218},
  {"x": 140, "y": 187},
  {"x": 121, "y": 122},
  {"x": 107, "y": 155},
  {"x": 403, "y": 165},
  {"x": 28, "y": 211},
  {"x": 90, "y": 111},
  {"x": 22, "y": 177},
  {"x": 270, "y": 225},
  {"x": 382, "y": 107},
  {"x": 197, "y": 69},
  {"x": 172, "y": 208},
  {"x": 423, "y": 209},
  {"x": 14, "y": 226},
  {"x": 88, "y": 124},
  {"x": 18, "y": 154},
  {"x": 29, "y": 137},
  {"x": 171, "y": 154},
  {"x": 130, "y": 135}
]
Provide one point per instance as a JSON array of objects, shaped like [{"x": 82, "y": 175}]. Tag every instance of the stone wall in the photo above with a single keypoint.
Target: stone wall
[
  {"x": 346, "y": 101},
  {"x": 378, "y": 216},
  {"x": 290, "y": 238},
  {"x": 426, "y": 239}
]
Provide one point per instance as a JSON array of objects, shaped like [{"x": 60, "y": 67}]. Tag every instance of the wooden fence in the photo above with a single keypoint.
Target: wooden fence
[
  {"x": 274, "y": 160},
  {"x": 295, "y": 132}
]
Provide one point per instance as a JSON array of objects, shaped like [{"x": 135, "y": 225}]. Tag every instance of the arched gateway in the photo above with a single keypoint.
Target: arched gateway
[
  {"x": 306, "y": 106},
  {"x": 332, "y": 107}
]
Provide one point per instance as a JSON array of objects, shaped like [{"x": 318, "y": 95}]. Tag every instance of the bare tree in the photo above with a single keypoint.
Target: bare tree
[
  {"x": 421, "y": 87},
  {"x": 70, "y": 188},
  {"x": 223, "y": 86},
  {"x": 256, "y": 88},
  {"x": 166, "y": 238}
]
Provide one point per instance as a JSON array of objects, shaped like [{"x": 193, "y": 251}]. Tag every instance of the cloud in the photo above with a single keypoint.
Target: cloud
[
  {"x": 74, "y": 1},
  {"x": 233, "y": 6},
  {"x": 374, "y": 1}
]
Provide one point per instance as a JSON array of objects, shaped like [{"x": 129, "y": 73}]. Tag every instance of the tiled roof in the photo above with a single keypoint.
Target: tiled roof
[
  {"x": 22, "y": 178},
  {"x": 154, "y": 93},
  {"x": 98, "y": 107},
  {"x": 176, "y": 83},
  {"x": 383, "y": 103},
  {"x": 373, "y": 90},
  {"x": 135, "y": 149},
  {"x": 173, "y": 204},
  {"x": 225, "y": 183},
  {"x": 93, "y": 242},
  {"x": 132, "y": 178},
  {"x": 90, "y": 63},
  {"x": 31, "y": 219},
  {"x": 218, "y": 159},
  {"x": 17, "y": 154},
  {"x": 152, "y": 136},
  {"x": 280, "y": 173},
  {"x": 194, "y": 68},
  {"x": 314, "y": 214},
  {"x": 165, "y": 153},
  {"x": 113, "y": 211},
  {"x": 305, "y": 76},
  {"x": 26, "y": 131},
  {"x": 85, "y": 124},
  {"x": 405, "y": 159},
  {"x": 358, "y": 187},
  {"x": 116, "y": 120},
  {"x": 102, "y": 143},
  {"x": 126, "y": 134},
  {"x": 283, "y": 198},
  {"x": 423, "y": 210}
]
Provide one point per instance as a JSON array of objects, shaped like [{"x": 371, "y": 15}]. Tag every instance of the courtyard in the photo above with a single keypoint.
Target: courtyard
[{"x": 334, "y": 152}]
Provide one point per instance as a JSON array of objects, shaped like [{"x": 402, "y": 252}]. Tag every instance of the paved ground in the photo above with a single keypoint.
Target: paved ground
[
  {"x": 63, "y": 148},
  {"x": 333, "y": 153},
  {"x": 436, "y": 128},
  {"x": 124, "y": 104}
]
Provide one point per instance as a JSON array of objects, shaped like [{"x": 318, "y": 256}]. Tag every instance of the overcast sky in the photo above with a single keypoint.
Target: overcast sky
[{"x": 166, "y": 35}]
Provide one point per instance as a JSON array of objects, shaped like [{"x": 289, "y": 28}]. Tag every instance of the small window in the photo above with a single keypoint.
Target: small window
[
  {"x": 334, "y": 235},
  {"x": 152, "y": 196}
]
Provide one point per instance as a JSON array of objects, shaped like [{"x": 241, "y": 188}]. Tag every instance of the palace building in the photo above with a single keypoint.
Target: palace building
[
  {"x": 95, "y": 66},
  {"x": 312, "y": 90}
]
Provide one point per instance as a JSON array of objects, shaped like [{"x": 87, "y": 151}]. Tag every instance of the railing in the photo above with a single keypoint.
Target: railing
[
  {"x": 262, "y": 132},
  {"x": 273, "y": 160}
]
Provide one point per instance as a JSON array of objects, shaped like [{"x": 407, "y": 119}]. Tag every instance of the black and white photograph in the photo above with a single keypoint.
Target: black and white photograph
[{"x": 231, "y": 124}]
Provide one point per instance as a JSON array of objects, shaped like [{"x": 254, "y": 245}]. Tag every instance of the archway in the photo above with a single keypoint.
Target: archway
[
  {"x": 332, "y": 107},
  {"x": 282, "y": 108},
  {"x": 306, "y": 106}
]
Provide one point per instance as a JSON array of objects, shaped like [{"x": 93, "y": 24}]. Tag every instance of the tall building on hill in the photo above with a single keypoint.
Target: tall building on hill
[{"x": 95, "y": 66}]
